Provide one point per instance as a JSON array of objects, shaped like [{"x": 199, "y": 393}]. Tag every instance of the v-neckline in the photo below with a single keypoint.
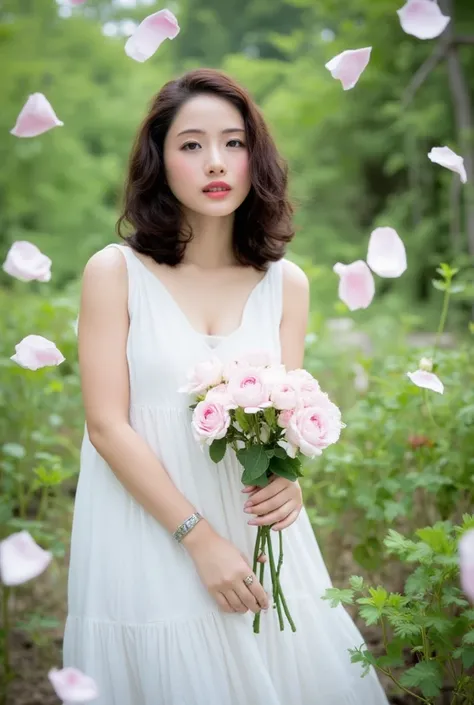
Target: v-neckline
[{"x": 203, "y": 336}]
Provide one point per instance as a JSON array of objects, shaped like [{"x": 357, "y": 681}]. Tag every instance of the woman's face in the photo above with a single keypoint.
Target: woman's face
[{"x": 206, "y": 144}]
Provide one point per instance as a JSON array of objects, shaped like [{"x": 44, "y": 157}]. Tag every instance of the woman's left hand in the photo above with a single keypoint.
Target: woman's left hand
[{"x": 278, "y": 503}]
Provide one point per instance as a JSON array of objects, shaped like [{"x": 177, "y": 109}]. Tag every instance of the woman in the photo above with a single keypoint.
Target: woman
[{"x": 161, "y": 588}]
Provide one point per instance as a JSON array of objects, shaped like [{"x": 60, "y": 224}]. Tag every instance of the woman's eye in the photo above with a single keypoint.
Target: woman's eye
[
  {"x": 234, "y": 142},
  {"x": 190, "y": 146}
]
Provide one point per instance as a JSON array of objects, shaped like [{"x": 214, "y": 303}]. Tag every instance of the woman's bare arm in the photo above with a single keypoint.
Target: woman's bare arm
[
  {"x": 295, "y": 315},
  {"x": 103, "y": 331}
]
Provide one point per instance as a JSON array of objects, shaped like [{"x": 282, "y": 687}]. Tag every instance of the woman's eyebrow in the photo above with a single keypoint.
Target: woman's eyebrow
[{"x": 203, "y": 132}]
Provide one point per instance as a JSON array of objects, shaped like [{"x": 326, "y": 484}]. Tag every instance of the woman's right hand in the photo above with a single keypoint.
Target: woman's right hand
[{"x": 222, "y": 568}]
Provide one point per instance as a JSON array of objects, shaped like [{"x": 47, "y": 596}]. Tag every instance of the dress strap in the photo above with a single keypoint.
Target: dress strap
[{"x": 275, "y": 286}]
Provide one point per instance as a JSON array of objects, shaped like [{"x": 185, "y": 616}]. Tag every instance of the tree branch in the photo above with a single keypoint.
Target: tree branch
[
  {"x": 464, "y": 39},
  {"x": 438, "y": 54}
]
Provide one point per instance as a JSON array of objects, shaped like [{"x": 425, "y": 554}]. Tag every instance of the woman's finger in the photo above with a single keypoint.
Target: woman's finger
[
  {"x": 290, "y": 519},
  {"x": 276, "y": 516},
  {"x": 270, "y": 504},
  {"x": 249, "y": 488},
  {"x": 264, "y": 493},
  {"x": 223, "y": 603}
]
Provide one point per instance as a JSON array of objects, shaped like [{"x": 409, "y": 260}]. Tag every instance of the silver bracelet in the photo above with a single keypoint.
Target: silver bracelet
[{"x": 184, "y": 528}]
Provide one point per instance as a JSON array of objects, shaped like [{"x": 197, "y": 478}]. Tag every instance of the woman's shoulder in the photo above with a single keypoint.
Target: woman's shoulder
[{"x": 295, "y": 280}]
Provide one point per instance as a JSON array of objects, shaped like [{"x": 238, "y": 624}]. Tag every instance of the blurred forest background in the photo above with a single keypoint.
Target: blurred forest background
[{"x": 358, "y": 160}]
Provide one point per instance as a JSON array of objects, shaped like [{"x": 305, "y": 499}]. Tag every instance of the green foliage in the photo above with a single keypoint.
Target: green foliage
[{"x": 431, "y": 622}]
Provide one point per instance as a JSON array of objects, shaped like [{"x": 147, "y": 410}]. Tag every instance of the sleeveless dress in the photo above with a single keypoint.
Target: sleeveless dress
[{"x": 140, "y": 621}]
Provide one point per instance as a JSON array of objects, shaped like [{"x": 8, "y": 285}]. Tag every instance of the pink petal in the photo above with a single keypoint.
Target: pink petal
[
  {"x": 450, "y": 160},
  {"x": 72, "y": 685},
  {"x": 386, "y": 254},
  {"x": 21, "y": 559},
  {"x": 466, "y": 562},
  {"x": 150, "y": 34},
  {"x": 26, "y": 262},
  {"x": 356, "y": 284},
  {"x": 36, "y": 116},
  {"x": 423, "y": 19},
  {"x": 349, "y": 65},
  {"x": 77, "y": 2},
  {"x": 426, "y": 380},
  {"x": 34, "y": 352}
]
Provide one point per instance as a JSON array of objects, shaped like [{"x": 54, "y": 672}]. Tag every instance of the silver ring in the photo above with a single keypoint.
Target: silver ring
[{"x": 248, "y": 580}]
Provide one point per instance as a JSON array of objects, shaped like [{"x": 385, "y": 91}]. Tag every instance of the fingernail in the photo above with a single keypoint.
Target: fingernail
[{"x": 252, "y": 521}]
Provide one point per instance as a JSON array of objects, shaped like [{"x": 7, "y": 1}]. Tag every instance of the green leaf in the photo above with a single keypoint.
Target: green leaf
[
  {"x": 356, "y": 583},
  {"x": 279, "y": 452},
  {"x": 241, "y": 418},
  {"x": 285, "y": 467},
  {"x": 337, "y": 596},
  {"x": 468, "y": 638},
  {"x": 255, "y": 461},
  {"x": 217, "y": 449},
  {"x": 426, "y": 675}
]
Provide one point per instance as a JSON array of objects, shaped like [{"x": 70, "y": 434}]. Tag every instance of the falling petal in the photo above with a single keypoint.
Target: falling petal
[
  {"x": 72, "y": 685},
  {"x": 386, "y": 254},
  {"x": 426, "y": 380},
  {"x": 21, "y": 559},
  {"x": 349, "y": 65},
  {"x": 466, "y": 563},
  {"x": 356, "y": 284},
  {"x": 26, "y": 262},
  {"x": 150, "y": 34},
  {"x": 34, "y": 352},
  {"x": 36, "y": 116},
  {"x": 450, "y": 160},
  {"x": 423, "y": 19}
]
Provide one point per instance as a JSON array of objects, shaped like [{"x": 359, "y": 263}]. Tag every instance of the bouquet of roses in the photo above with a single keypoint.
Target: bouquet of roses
[{"x": 270, "y": 417}]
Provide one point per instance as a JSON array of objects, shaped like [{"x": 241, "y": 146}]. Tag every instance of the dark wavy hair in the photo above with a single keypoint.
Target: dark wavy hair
[{"x": 263, "y": 222}]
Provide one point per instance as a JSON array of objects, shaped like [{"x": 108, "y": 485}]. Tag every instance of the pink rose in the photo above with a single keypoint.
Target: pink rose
[
  {"x": 284, "y": 417},
  {"x": 202, "y": 376},
  {"x": 220, "y": 395},
  {"x": 252, "y": 358},
  {"x": 34, "y": 352},
  {"x": 307, "y": 387},
  {"x": 248, "y": 389},
  {"x": 27, "y": 263},
  {"x": 466, "y": 555},
  {"x": 210, "y": 422},
  {"x": 314, "y": 428},
  {"x": 284, "y": 395}
]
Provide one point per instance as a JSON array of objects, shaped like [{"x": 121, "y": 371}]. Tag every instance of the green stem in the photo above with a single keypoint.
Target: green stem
[
  {"x": 6, "y": 639},
  {"x": 43, "y": 504},
  {"x": 280, "y": 556},
  {"x": 284, "y": 604},
  {"x": 275, "y": 582},
  {"x": 405, "y": 690},
  {"x": 442, "y": 321},
  {"x": 259, "y": 547}
]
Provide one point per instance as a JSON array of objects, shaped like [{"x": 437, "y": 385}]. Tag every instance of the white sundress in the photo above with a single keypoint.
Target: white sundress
[{"x": 140, "y": 621}]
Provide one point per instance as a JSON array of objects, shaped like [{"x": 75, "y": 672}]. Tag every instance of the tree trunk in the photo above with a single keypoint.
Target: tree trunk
[{"x": 464, "y": 123}]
